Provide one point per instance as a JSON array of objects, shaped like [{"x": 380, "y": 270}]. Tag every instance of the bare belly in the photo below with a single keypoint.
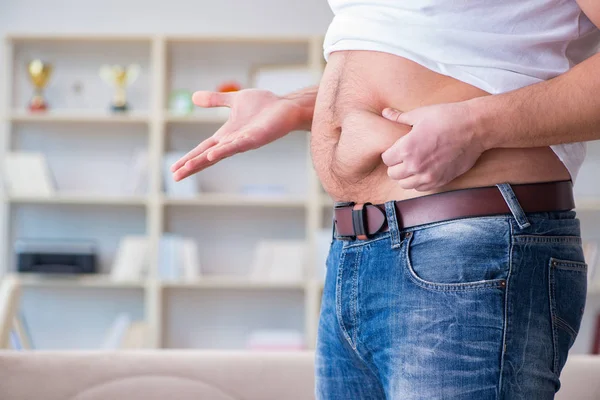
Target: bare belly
[{"x": 349, "y": 135}]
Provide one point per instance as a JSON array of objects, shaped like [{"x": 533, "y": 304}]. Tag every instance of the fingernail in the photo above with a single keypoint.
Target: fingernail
[{"x": 390, "y": 112}]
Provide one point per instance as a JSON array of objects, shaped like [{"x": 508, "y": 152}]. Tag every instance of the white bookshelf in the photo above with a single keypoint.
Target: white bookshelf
[
  {"x": 78, "y": 116},
  {"x": 89, "y": 132},
  {"x": 95, "y": 281},
  {"x": 228, "y": 222},
  {"x": 79, "y": 199},
  {"x": 233, "y": 200}
]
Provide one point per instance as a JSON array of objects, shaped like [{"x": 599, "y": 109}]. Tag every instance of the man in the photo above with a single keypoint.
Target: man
[{"x": 449, "y": 134}]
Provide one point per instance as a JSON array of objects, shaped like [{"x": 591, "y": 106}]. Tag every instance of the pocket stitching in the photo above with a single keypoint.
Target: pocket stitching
[
  {"x": 547, "y": 239},
  {"x": 565, "y": 325},
  {"x": 557, "y": 322},
  {"x": 445, "y": 287},
  {"x": 338, "y": 300},
  {"x": 564, "y": 265},
  {"x": 568, "y": 265}
]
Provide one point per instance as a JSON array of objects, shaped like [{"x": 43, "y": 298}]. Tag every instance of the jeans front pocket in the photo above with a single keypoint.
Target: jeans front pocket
[
  {"x": 568, "y": 291},
  {"x": 468, "y": 254}
]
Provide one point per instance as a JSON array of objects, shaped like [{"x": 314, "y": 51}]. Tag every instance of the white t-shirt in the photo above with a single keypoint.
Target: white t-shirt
[{"x": 495, "y": 45}]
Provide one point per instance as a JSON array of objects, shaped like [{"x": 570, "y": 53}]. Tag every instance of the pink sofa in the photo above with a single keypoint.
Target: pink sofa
[{"x": 197, "y": 375}]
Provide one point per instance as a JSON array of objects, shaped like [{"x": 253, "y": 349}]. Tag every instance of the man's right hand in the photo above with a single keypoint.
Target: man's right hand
[{"x": 257, "y": 117}]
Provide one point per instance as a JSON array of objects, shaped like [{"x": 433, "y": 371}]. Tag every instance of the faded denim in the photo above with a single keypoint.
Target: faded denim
[{"x": 476, "y": 308}]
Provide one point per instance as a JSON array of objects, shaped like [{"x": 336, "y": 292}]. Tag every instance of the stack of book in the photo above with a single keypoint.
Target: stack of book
[{"x": 275, "y": 340}]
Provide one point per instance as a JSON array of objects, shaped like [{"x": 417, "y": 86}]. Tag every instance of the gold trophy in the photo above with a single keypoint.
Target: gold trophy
[
  {"x": 39, "y": 73},
  {"x": 120, "y": 77}
]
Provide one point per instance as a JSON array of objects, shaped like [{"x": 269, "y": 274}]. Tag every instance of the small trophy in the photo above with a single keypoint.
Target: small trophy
[
  {"x": 39, "y": 73},
  {"x": 119, "y": 77}
]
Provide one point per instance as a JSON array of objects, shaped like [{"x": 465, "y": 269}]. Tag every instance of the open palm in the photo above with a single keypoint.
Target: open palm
[{"x": 257, "y": 118}]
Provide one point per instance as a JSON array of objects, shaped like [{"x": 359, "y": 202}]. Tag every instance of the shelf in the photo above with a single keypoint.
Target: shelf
[
  {"x": 587, "y": 204},
  {"x": 209, "y": 116},
  {"x": 237, "y": 200},
  {"x": 73, "y": 281},
  {"x": 232, "y": 283},
  {"x": 240, "y": 39},
  {"x": 80, "y": 199},
  {"x": 326, "y": 201},
  {"x": 79, "y": 116},
  {"x": 146, "y": 39}
]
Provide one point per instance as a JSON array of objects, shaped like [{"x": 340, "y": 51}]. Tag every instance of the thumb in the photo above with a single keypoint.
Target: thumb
[
  {"x": 397, "y": 116},
  {"x": 212, "y": 99}
]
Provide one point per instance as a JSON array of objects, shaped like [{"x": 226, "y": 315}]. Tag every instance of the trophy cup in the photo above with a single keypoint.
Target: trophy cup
[
  {"x": 119, "y": 77},
  {"x": 39, "y": 73}
]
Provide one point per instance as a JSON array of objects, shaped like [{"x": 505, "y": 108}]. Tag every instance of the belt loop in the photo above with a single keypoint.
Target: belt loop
[
  {"x": 392, "y": 220},
  {"x": 333, "y": 237},
  {"x": 514, "y": 205}
]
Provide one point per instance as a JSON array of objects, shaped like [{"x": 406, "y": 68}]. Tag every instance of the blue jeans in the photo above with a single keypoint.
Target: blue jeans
[{"x": 476, "y": 308}]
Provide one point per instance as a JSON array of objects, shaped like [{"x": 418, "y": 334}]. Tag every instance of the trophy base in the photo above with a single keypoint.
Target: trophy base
[
  {"x": 37, "y": 103},
  {"x": 122, "y": 108}
]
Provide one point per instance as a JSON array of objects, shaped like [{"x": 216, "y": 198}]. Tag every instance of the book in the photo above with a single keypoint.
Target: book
[
  {"x": 275, "y": 339},
  {"x": 590, "y": 253},
  {"x": 279, "y": 261},
  {"x": 27, "y": 174},
  {"x": 131, "y": 261},
  {"x": 191, "y": 270},
  {"x": 136, "y": 181},
  {"x": 187, "y": 187},
  {"x": 116, "y": 333},
  {"x": 596, "y": 337},
  {"x": 136, "y": 336},
  {"x": 178, "y": 259}
]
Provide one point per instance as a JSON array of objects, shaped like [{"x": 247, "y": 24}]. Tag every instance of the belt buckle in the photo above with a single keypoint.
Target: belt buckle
[
  {"x": 359, "y": 221},
  {"x": 344, "y": 204}
]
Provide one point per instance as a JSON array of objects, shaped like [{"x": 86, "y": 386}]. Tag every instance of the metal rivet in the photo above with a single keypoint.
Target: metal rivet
[{"x": 503, "y": 283}]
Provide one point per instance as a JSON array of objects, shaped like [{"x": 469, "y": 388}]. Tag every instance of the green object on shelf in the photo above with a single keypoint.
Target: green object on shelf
[{"x": 180, "y": 102}]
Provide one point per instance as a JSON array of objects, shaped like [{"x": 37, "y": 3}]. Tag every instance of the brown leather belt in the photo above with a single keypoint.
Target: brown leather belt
[{"x": 359, "y": 221}]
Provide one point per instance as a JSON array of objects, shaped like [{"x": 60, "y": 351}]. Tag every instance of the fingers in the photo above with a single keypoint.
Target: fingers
[
  {"x": 395, "y": 154},
  {"x": 397, "y": 116},
  {"x": 211, "y": 156},
  {"x": 201, "y": 148},
  {"x": 191, "y": 167},
  {"x": 399, "y": 171},
  {"x": 228, "y": 149},
  {"x": 212, "y": 99},
  {"x": 410, "y": 182}
]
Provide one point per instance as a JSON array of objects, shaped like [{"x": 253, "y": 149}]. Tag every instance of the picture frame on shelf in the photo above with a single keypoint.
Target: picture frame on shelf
[{"x": 282, "y": 79}]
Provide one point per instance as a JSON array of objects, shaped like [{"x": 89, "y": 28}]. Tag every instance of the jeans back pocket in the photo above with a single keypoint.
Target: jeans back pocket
[{"x": 568, "y": 291}]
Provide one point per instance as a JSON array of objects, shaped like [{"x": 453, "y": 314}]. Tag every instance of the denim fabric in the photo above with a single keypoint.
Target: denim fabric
[{"x": 476, "y": 308}]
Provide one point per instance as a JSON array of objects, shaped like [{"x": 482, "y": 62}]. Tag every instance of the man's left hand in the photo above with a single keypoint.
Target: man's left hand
[{"x": 443, "y": 144}]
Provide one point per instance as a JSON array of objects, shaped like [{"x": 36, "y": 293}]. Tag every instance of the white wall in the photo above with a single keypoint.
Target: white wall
[{"x": 225, "y": 17}]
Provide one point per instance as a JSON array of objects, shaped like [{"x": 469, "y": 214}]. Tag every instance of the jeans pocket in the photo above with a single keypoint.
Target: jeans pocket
[
  {"x": 568, "y": 291},
  {"x": 470, "y": 254}
]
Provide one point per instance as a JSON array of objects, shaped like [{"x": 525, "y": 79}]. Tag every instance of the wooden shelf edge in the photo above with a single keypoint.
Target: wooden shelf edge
[
  {"x": 73, "y": 281},
  {"x": 76, "y": 116},
  {"x": 236, "y": 200},
  {"x": 79, "y": 37},
  {"x": 232, "y": 283},
  {"x": 79, "y": 199}
]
